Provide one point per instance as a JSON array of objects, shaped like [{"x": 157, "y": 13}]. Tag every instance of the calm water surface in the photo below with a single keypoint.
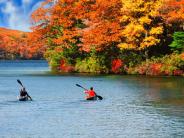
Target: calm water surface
[{"x": 133, "y": 106}]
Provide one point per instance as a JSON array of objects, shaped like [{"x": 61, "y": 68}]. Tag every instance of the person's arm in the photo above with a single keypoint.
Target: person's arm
[
  {"x": 86, "y": 92},
  {"x": 20, "y": 92},
  {"x": 29, "y": 97}
]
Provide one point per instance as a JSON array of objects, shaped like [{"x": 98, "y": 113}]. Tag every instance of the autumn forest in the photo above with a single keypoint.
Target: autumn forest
[{"x": 100, "y": 36}]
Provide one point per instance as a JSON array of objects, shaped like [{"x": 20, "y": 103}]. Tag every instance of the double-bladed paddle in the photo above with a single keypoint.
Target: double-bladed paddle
[
  {"x": 20, "y": 83},
  {"x": 99, "y": 97}
]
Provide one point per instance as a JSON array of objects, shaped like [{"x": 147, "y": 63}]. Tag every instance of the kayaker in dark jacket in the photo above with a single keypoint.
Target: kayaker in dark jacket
[
  {"x": 23, "y": 93},
  {"x": 90, "y": 93}
]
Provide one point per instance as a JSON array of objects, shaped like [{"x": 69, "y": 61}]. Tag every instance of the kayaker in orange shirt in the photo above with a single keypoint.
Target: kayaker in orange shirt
[{"x": 90, "y": 94}]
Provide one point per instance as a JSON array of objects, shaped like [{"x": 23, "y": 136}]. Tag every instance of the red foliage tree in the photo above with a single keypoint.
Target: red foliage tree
[
  {"x": 116, "y": 65},
  {"x": 65, "y": 67}
]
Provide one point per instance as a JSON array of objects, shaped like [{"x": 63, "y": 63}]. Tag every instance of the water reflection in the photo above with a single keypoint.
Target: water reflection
[
  {"x": 23, "y": 67},
  {"x": 133, "y": 106},
  {"x": 163, "y": 90}
]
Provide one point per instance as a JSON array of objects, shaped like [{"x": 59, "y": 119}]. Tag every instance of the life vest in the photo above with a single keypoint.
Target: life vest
[
  {"x": 90, "y": 93},
  {"x": 23, "y": 93}
]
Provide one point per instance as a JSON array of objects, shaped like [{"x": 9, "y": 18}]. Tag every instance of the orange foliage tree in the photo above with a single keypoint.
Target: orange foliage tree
[
  {"x": 83, "y": 25},
  {"x": 18, "y": 44},
  {"x": 56, "y": 24},
  {"x": 96, "y": 23},
  {"x": 173, "y": 13},
  {"x": 102, "y": 20}
]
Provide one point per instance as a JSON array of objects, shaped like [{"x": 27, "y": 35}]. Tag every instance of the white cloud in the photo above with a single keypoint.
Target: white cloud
[
  {"x": 18, "y": 17},
  {"x": 15, "y": 18},
  {"x": 9, "y": 8},
  {"x": 26, "y": 1}
]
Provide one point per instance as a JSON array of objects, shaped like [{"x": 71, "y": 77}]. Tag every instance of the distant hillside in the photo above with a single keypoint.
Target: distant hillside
[
  {"x": 16, "y": 44},
  {"x": 9, "y": 32}
]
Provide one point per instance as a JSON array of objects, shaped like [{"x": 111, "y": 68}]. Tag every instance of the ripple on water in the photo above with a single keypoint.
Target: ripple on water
[{"x": 133, "y": 106}]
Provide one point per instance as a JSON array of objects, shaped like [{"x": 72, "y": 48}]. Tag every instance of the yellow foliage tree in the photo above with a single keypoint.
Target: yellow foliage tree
[{"x": 141, "y": 24}]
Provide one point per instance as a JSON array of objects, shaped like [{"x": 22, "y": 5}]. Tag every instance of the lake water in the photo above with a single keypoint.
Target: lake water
[{"x": 133, "y": 106}]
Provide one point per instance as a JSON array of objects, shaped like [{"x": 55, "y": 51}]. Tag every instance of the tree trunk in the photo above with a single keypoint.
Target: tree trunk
[{"x": 146, "y": 54}]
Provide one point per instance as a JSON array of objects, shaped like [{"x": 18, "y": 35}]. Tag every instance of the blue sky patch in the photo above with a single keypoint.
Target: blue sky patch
[{"x": 15, "y": 14}]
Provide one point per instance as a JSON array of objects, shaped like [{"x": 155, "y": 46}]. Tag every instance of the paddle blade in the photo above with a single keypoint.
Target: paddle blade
[
  {"x": 80, "y": 86},
  {"x": 99, "y": 97},
  {"x": 20, "y": 82}
]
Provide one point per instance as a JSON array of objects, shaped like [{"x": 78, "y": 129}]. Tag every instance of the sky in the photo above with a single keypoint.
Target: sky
[{"x": 15, "y": 14}]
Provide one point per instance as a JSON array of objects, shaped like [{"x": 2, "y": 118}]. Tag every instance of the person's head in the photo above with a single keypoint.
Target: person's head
[
  {"x": 24, "y": 89},
  {"x": 91, "y": 88}
]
